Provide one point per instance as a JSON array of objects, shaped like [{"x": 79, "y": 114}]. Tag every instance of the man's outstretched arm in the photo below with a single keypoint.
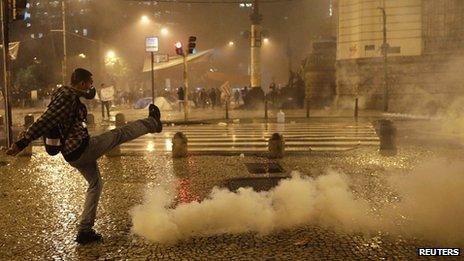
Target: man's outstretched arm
[{"x": 57, "y": 112}]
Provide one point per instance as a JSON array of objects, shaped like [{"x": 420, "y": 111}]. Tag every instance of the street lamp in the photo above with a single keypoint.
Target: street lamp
[
  {"x": 266, "y": 40},
  {"x": 231, "y": 43},
  {"x": 110, "y": 58},
  {"x": 82, "y": 55},
  {"x": 144, "y": 19},
  {"x": 110, "y": 54},
  {"x": 164, "y": 31}
]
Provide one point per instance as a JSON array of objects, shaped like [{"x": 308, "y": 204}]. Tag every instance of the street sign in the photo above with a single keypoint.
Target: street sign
[
  {"x": 161, "y": 58},
  {"x": 152, "y": 44},
  {"x": 225, "y": 88}
]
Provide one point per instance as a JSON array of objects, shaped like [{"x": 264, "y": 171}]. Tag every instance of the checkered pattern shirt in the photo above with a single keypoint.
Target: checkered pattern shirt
[{"x": 66, "y": 111}]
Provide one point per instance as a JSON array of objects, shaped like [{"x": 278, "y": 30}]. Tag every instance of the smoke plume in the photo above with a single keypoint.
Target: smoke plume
[{"x": 430, "y": 207}]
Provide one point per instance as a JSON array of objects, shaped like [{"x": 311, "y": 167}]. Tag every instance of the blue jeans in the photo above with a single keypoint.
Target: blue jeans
[{"x": 88, "y": 167}]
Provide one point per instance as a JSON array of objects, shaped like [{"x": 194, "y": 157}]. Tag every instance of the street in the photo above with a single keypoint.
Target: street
[
  {"x": 231, "y": 130},
  {"x": 244, "y": 138},
  {"x": 42, "y": 198}
]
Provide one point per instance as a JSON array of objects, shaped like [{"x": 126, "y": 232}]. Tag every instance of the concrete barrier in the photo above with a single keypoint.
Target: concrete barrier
[
  {"x": 179, "y": 145},
  {"x": 90, "y": 119},
  {"x": 120, "y": 120},
  {"x": 276, "y": 146},
  {"x": 28, "y": 120},
  {"x": 387, "y": 136}
]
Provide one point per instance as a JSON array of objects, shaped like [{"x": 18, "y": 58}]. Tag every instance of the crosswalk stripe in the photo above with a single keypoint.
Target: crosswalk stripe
[
  {"x": 313, "y": 136},
  {"x": 254, "y": 137}
]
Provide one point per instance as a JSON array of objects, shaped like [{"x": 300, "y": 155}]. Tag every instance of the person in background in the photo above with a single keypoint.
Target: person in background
[
  {"x": 212, "y": 97},
  {"x": 180, "y": 97},
  {"x": 237, "y": 97},
  {"x": 105, "y": 102}
]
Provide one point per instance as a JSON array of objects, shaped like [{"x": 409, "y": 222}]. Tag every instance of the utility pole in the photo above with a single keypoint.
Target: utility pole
[
  {"x": 289, "y": 55},
  {"x": 63, "y": 14},
  {"x": 385, "y": 48},
  {"x": 255, "y": 45},
  {"x": 186, "y": 89},
  {"x": 4, "y": 9},
  {"x": 152, "y": 77}
]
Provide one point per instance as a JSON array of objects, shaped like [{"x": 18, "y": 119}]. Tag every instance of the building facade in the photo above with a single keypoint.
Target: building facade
[{"x": 424, "y": 54}]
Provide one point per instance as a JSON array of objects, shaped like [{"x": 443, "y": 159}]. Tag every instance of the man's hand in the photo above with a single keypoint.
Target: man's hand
[{"x": 13, "y": 150}]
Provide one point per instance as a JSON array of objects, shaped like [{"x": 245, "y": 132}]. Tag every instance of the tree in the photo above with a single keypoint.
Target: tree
[{"x": 33, "y": 77}]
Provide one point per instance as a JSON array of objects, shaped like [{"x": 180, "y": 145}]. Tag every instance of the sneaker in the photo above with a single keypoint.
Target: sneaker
[
  {"x": 87, "y": 237},
  {"x": 154, "y": 112}
]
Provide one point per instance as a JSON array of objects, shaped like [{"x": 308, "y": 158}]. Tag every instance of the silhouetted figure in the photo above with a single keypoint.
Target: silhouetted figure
[
  {"x": 237, "y": 97},
  {"x": 203, "y": 98},
  {"x": 212, "y": 97},
  {"x": 105, "y": 101},
  {"x": 218, "y": 97},
  {"x": 180, "y": 97}
]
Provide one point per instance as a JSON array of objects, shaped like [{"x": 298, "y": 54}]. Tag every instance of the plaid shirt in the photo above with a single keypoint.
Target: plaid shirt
[{"x": 66, "y": 111}]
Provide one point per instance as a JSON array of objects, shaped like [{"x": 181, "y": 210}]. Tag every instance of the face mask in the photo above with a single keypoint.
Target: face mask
[{"x": 90, "y": 94}]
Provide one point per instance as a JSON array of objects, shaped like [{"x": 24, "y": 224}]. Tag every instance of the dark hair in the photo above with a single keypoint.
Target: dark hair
[{"x": 80, "y": 75}]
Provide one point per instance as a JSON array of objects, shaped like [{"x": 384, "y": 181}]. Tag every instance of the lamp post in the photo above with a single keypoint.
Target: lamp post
[
  {"x": 255, "y": 46},
  {"x": 385, "y": 48},
  {"x": 6, "y": 70},
  {"x": 63, "y": 73}
]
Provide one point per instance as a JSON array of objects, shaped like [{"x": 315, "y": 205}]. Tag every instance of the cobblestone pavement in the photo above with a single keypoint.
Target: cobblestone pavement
[{"x": 41, "y": 199}]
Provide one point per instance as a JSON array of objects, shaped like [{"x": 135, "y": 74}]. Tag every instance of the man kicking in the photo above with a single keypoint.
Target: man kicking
[{"x": 79, "y": 149}]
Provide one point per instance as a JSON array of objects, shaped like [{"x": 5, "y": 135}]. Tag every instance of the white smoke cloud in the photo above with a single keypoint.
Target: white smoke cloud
[
  {"x": 432, "y": 202},
  {"x": 431, "y": 207},
  {"x": 296, "y": 201}
]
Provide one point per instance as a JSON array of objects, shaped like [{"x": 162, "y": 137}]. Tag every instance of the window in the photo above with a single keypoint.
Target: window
[{"x": 370, "y": 47}]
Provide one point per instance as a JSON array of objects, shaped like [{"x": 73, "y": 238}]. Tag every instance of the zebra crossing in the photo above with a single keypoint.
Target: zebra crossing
[{"x": 253, "y": 137}]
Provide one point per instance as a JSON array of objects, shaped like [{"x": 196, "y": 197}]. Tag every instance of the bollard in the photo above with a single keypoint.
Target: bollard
[
  {"x": 356, "y": 108},
  {"x": 28, "y": 120},
  {"x": 265, "y": 107},
  {"x": 307, "y": 108},
  {"x": 227, "y": 110},
  {"x": 276, "y": 146},
  {"x": 387, "y": 133},
  {"x": 90, "y": 119},
  {"x": 120, "y": 121},
  {"x": 179, "y": 145}
]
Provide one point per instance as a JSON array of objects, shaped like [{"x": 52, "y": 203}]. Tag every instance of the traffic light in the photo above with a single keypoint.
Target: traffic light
[
  {"x": 179, "y": 50},
  {"x": 192, "y": 44},
  {"x": 20, "y": 9}
]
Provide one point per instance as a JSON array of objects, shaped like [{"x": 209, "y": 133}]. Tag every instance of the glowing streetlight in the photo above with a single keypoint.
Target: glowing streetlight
[
  {"x": 266, "y": 40},
  {"x": 82, "y": 55},
  {"x": 231, "y": 43},
  {"x": 110, "y": 58},
  {"x": 144, "y": 19},
  {"x": 164, "y": 31},
  {"x": 110, "y": 54}
]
